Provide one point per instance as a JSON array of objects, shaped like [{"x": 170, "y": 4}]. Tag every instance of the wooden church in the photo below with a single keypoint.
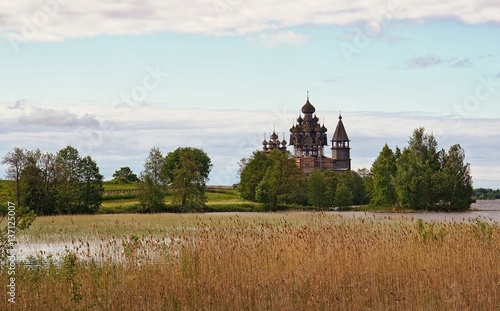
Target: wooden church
[{"x": 309, "y": 139}]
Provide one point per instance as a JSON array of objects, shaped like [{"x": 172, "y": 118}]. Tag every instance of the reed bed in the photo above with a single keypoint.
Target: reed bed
[{"x": 313, "y": 262}]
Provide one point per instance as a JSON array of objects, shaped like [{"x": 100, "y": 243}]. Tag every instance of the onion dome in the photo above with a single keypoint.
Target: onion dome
[
  {"x": 315, "y": 119},
  {"x": 274, "y": 136},
  {"x": 323, "y": 128},
  {"x": 308, "y": 108},
  {"x": 299, "y": 119},
  {"x": 264, "y": 143}
]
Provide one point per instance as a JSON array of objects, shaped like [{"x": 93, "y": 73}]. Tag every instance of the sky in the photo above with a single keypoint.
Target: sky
[{"x": 115, "y": 78}]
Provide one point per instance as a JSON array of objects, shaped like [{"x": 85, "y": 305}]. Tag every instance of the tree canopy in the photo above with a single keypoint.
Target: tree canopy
[
  {"x": 173, "y": 160},
  {"x": 383, "y": 171},
  {"x": 421, "y": 177},
  {"x": 125, "y": 175},
  {"x": 252, "y": 170},
  {"x": 274, "y": 178},
  {"x": 281, "y": 182},
  {"x": 64, "y": 183},
  {"x": 183, "y": 172},
  {"x": 151, "y": 186},
  {"x": 190, "y": 173}
]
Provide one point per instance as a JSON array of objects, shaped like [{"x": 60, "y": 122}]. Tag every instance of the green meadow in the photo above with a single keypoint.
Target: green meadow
[{"x": 122, "y": 198}]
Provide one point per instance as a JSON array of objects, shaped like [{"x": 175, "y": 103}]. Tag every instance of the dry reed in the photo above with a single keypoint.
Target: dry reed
[{"x": 322, "y": 262}]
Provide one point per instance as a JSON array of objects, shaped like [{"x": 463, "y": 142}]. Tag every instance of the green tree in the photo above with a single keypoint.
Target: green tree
[
  {"x": 423, "y": 178},
  {"x": 317, "y": 189},
  {"x": 63, "y": 183},
  {"x": 252, "y": 171},
  {"x": 38, "y": 183},
  {"x": 331, "y": 183},
  {"x": 173, "y": 160},
  {"x": 15, "y": 161},
  {"x": 367, "y": 177},
  {"x": 281, "y": 182},
  {"x": 357, "y": 187},
  {"x": 32, "y": 184},
  {"x": 67, "y": 189},
  {"x": 151, "y": 186},
  {"x": 416, "y": 169},
  {"x": 47, "y": 163},
  {"x": 354, "y": 182},
  {"x": 125, "y": 175},
  {"x": 78, "y": 183},
  {"x": 487, "y": 194},
  {"x": 412, "y": 181},
  {"x": 383, "y": 171},
  {"x": 425, "y": 148},
  {"x": 455, "y": 181},
  {"x": 343, "y": 196},
  {"x": 90, "y": 186},
  {"x": 188, "y": 184},
  {"x": 151, "y": 195}
]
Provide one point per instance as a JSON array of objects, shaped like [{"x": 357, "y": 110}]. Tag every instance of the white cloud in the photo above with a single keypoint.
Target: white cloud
[
  {"x": 53, "y": 20},
  {"x": 57, "y": 118}
]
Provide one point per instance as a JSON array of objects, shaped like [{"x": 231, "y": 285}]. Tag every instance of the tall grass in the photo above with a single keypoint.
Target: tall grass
[{"x": 303, "y": 261}]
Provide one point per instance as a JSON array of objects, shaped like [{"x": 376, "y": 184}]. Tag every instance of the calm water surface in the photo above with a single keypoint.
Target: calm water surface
[{"x": 486, "y": 210}]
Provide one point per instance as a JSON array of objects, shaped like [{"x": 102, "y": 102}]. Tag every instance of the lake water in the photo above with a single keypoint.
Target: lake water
[{"x": 486, "y": 210}]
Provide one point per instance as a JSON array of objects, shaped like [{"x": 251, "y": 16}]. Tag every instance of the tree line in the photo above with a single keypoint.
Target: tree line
[
  {"x": 419, "y": 177},
  {"x": 274, "y": 178},
  {"x": 487, "y": 194},
  {"x": 67, "y": 183},
  {"x": 60, "y": 183}
]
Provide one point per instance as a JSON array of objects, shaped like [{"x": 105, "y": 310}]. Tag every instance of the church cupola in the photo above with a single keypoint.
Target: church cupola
[
  {"x": 306, "y": 136},
  {"x": 274, "y": 143},
  {"x": 308, "y": 108}
]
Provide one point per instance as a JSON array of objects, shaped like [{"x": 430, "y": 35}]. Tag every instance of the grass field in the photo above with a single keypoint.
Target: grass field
[
  {"x": 109, "y": 185},
  {"x": 116, "y": 202},
  {"x": 260, "y": 261},
  {"x": 218, "y": 200}
]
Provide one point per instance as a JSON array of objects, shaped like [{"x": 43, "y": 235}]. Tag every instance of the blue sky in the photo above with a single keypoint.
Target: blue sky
[{"x": 115, "y": 78}]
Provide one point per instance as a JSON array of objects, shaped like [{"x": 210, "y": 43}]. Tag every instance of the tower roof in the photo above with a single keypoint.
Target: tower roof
[
  {"x": 308, "y": 107},
  {"x": 340, "y": 133}
]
